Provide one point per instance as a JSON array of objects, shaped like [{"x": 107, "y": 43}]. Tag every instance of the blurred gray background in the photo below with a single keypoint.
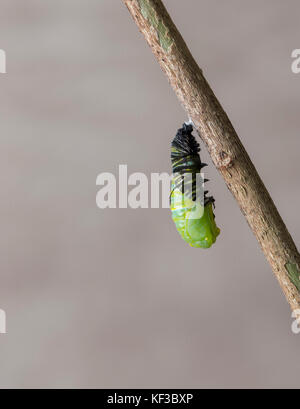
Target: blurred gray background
[{"x": 115, "y": 298}]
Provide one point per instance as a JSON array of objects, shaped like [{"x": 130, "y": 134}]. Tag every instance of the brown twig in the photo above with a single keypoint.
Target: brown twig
[{"x": 223, "y": 144}]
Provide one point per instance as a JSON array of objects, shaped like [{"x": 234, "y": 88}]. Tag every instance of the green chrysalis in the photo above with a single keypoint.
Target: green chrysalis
[{"x": 192, "y": 210}]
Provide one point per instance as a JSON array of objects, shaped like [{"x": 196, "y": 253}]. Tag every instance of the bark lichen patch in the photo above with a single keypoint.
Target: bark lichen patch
[
  {"x": 294, "y": 274},
  {"x": 150, "y": 15}
]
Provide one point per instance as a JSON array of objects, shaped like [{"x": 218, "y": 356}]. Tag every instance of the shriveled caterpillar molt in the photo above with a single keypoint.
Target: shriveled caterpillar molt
[{"x": 192, "y": 209}]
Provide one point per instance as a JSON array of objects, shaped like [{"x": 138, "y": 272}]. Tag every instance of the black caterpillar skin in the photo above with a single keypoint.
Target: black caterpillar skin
[{"x": 186, "y": 159}]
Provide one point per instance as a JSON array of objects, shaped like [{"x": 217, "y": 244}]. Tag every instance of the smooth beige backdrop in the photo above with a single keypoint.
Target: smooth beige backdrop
[{"x": 114, "y": 298}]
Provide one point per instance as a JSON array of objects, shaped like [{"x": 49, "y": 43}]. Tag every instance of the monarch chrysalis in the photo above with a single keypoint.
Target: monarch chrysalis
[{"x": 192, "y": 210}]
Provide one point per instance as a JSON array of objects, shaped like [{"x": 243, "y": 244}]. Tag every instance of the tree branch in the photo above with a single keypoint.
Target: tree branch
[{"x": 223, "y": 144}]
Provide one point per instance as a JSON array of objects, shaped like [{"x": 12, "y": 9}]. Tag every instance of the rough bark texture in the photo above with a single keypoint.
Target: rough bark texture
[{"x": 223, "y": 144}]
